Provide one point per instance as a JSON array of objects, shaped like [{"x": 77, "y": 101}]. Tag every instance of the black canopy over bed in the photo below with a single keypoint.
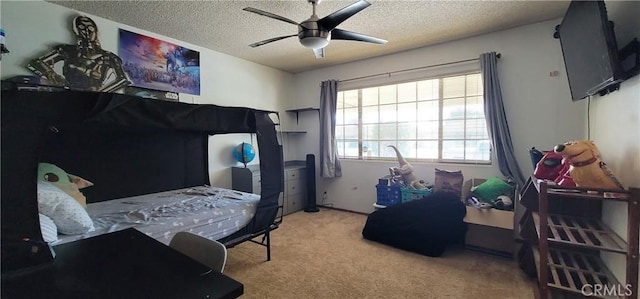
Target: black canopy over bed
[{"x": 130, "y": 145}]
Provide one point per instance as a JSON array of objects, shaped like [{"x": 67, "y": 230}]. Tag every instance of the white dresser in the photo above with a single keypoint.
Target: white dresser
[{"x": 294, "y": 195}]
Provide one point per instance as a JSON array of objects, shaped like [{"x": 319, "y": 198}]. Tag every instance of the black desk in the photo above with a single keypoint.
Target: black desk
[{"x": 123, "y": 264}]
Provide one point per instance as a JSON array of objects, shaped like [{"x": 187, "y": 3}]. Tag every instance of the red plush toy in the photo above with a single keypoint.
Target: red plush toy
[
  {"x": 549, "y": 167},
  {"x": 564, "y": 179},
  {"x": 554, "y": 168}
]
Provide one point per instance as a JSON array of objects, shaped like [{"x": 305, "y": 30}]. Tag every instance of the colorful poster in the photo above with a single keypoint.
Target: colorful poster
[{"x": 156, "y": 64}]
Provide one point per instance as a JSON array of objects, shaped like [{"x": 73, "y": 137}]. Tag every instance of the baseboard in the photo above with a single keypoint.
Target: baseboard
[{"x": 343, "y": 210}]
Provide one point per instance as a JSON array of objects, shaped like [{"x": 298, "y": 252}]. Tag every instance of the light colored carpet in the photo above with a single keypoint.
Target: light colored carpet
[{"x": 323, "y": 255}]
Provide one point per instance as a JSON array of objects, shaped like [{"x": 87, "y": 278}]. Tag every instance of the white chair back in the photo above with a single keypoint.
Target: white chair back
[{"x": 210, "y": 253}]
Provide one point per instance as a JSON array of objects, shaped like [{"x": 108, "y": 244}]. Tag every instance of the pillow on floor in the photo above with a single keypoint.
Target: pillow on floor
[{"x": 68, "y": 215}]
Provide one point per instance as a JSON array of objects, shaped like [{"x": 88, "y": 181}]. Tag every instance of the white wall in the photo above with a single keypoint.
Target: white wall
[
  {"x": 32, "y": 27},
  {"x": 538, "y": 107},
  {"x": 615, "y": 128}
]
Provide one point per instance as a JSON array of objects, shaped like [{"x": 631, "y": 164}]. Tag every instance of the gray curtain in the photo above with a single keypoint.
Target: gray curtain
[
  {"x": 497, "y": 125},
  {"x": 329, "y": 163}
]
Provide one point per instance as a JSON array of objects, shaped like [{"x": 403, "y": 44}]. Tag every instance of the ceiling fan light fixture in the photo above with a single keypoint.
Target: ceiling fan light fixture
[
  {"x": 315, "y": 33},
  {"x": 314, "y": 42}
]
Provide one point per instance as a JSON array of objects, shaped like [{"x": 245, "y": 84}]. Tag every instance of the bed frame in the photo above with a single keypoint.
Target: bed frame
[{"x": 131, "y": 145}]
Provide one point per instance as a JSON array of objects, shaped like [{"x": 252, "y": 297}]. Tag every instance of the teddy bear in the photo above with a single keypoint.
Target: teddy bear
[{"x": 585, "y": 166}]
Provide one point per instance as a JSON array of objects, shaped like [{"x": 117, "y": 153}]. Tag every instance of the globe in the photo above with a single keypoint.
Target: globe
[{"x": 244, "y": 153}]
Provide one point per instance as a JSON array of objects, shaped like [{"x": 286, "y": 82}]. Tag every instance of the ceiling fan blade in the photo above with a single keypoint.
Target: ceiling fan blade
[
  {"x": 349, "y": 35},
  {"x": 270, "y": 15},
  {"x": 333, "y": 20},
  {"x": 319, "y": 52},
  {"x": 266, "y": 41}
]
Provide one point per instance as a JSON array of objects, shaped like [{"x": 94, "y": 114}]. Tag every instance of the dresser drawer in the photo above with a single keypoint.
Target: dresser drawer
[
  {"x": 294, "y": 203},
  {"x": 294, "y": 174},
  {"x": 293, "y": 187}
]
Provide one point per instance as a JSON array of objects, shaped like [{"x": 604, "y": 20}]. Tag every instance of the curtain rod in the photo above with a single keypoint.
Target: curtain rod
[{"x": 413, "y": 69}]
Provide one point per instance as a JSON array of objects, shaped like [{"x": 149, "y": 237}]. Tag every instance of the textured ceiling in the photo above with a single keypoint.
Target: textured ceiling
[{"x": 224, "y": 27}]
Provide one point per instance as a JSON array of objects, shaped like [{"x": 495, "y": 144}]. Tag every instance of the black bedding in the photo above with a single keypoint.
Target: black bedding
[
  {"x": 425, "y": 226},
  {"x": 131, "y": 145}
]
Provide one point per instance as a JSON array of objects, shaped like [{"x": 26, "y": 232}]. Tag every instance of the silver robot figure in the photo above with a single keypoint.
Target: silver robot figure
[{"x": 85, "y": 65}]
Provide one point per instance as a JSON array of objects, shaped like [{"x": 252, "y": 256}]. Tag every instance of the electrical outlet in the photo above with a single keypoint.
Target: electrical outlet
[{"x": 324, "y": 202}]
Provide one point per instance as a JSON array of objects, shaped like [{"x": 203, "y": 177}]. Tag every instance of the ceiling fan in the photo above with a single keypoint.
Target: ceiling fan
[{"x": 315, "y": 33}]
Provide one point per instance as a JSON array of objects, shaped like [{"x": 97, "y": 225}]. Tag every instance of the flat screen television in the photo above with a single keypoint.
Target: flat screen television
[{"x": 589, "y": 49}]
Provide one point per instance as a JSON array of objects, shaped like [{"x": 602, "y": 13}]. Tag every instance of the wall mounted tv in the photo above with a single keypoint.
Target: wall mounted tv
[{"x": 589, "y": 49}]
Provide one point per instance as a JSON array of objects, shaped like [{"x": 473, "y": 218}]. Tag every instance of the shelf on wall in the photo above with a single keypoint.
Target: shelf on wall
[
  {"x": 303, "y": 109},
  {"x": 297, "y": 111},
  {"x": 292, "y": 132}
]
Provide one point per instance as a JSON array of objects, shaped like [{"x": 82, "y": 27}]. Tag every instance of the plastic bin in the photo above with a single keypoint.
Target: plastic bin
[
  {"x": 413, "y": 194},
  {"x": 388, "y": 195}
]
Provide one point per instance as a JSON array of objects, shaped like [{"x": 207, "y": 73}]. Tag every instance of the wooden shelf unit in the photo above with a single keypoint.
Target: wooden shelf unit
[
  {"x": 569, "y": 271},
  {"x": 581, "y": 232},
  {"x": 568, "y": 246}
]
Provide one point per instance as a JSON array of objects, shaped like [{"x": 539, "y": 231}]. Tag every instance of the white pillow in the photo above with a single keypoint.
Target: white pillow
[
  {"x": 48, "y": 229},
  {"x": 68, "y": 215}
]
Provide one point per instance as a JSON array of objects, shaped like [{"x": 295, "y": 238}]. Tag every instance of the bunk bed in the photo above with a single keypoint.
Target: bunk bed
[{"x": 133, "y": 150}]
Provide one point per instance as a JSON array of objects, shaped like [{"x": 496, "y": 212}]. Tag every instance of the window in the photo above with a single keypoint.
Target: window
[{"x": 436, "y": 119}]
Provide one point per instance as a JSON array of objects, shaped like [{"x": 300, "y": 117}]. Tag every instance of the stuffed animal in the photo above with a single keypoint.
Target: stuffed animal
[
  {"x": 405, "y": 170},
  {"x": 585, "y": 166},
  {"x": 549, "y": 167},
  {"x": 69, "y": 183},
  {"x": 564, "y": 179}
]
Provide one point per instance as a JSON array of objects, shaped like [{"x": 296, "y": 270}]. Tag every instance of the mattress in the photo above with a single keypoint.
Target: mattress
[{"x": 211, "y": 212}]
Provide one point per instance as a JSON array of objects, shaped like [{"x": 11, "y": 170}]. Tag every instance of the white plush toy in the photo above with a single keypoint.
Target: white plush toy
[{"x": 406, "y": 171}]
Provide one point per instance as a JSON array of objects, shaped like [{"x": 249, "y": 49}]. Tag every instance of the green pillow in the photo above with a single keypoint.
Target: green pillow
[{"x": 492, "y": 188}]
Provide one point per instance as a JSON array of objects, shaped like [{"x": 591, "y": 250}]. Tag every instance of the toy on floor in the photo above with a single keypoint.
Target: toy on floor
[{"x": 585, "y": 166}]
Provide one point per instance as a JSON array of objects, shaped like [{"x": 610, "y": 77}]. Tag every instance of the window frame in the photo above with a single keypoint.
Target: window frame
[{"x": 440, "y": 139}]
